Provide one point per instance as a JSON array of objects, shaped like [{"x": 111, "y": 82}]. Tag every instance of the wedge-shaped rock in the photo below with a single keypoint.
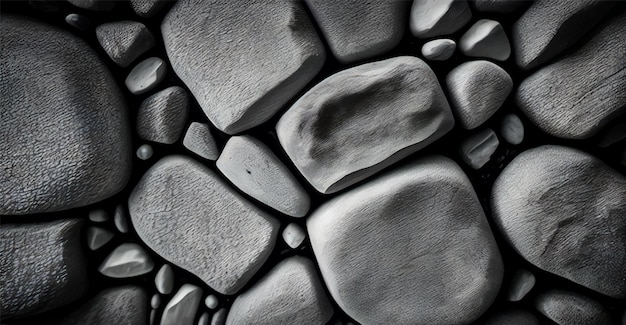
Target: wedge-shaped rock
[
  {"x": 291, "y": 293},
  {"x": 412, "y": 246},
  {"x": 436, "y": 18},
  {"x": 198, "y": 139},
  {"x": 549, "y": 27},
  {"x": 254, "y": 168},
  {"x": 125, "y": 261},
  {"x": 486, "y": 39},
  {"x": 192, "y": 218},
  {"x": 242, "y": 60},
  {"x": 575, "y": 96},
  {"x": 124, "y": 41},
  {"x": 118, "y": 305},
  {"x": 162, "y": 116},
  {"x": 565, "y": 308},
  {"x": 42, "y": 267},
  {"x": 182, "y": 308},
  {"x": 563, "y": 211},
  {"x": 357, "y": 29},
  {"x": 64, "y": 130},
  {"x": 361, "y": 120}
]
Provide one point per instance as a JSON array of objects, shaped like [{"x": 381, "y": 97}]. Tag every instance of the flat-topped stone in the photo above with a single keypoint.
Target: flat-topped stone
[{"x": 124, "y": 41}]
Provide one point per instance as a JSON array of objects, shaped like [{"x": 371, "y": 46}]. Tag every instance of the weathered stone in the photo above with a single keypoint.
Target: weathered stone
[
  {"x": 98, "y": 237},
  {"x": 294, "y": 235},
  {"x": 439, "y": 49},
  {"x": 199, "y": 140},
  {"x": 512, "y": 129},
  {"x": 147, "y": 8},
  {"x": 412, "y": 246},
  {"x": 363, "y": 119},
  {"x": 486, "y": 39},
  {"x": 164, "y": 279},
  {"x": 155, "y": 301},
  {"x": 125, "y": 261},
  {"x": 162, "y": 116},
  {"x": 562, "y": 210},
  {"x": 436, "y": 18},
  {"x": 182, "y": 308},
  {"x": 65, "y": 140},
  {"x": 124, "y": 41},
  {"x": 513, "y": 317},
  {"x": 522, "y": 282},
  {"x": 118, "y": 305},
  {"x": 476, "y": 150},
  {"x": 187, "y": 214},
  {"x": 566, "y": 308},
  {"x": 499, "y": 6},
  {"x": 146, "y": 75}
]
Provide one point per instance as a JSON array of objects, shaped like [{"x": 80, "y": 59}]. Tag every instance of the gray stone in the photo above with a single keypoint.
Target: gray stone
[
  {"x": 294, "y": 235},
  {"x": 98, "y": 215},
  {"x": 412, "y": 246},
  {"x": 147, "y": 8},
  {"x": 153, "y": 317},
  {"x": 575, "y": 96},
  {"x": 512, "y": 129},
  {"x": 562, "y": 210},
  {"x": 126, "y": 261},
  {"x": 219, "y": 318},
  {"x": 98, "y": 237},
  {"x": 42, "y": 267},
  {"x": 211, "y": 301},
  {"x": 155, "y": 302},
  {"x": 499, "y": 6},
  {"x": 522, "y": 282},
  {"x": 121, "y": 219},
  {"x": 146, "y": 75},
  {"x": 513, "y": 317},
  {"x": 254, "y": 168},
  {"x": 290, "y": 293},
  {"x": 363, "y": 119},
  {"x": 162, "y": 116},
  {"x": 440, "y": 17},
  {"x": 97, "y": 5},
  {"x": 78, "y": 21},
  {"x": 547, "y": 28},
  {"x": 145, "y": 152},
  {"x": 187, "y": 214},
  {"x": 568, "y": 308},
  {"x": 476, "y": 150},
  {"x": 486, "y": 39},
  {"x": 63, "y": 123},
  {"x": 198, "y": 139},
  {"x": 357, "y": 30},
  {"x": 477, "y": 89},
  {"x": 210, "y": 45},
  {"x": 439, "y": 49},
  {"x": 164, "y": 279},
  {"x": 182, "y": 308},
  {"x": 117, "y": 305},
  {"x": 205, "y": 318},
  {"x": 124, "y": 41}
]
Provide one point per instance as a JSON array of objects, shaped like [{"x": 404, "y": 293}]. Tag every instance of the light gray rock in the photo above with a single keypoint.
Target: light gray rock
[
  {"x": 513, "y": 317},
  {"x": 210, "y": 43},
  {"x": 126, "y": 261},
  {"x": 357, "y": 30},
  {"x": 522, "y": 282},
  {"x": 499, "y": 6},
  {"x": 187, "y": 214},
  {"x": 363, "y": 119},
  {"x": 476, "y": 150},
  {"x": 211, "y": 301},
  {"x": 512, "y": 129},
  {"x": 432, "y": 18},
  {"x": 412, "y": 246},
  {"x": 121, "y": 219},
  {"x": 198, "y": 139},
  {"x": 254, "y": 168},
  {"x": 146, "y": 75},
  {"x": 42, "y": 267},
  {"x": 547, "y": 28},
  {"x": 182, "y": 308},
  {"x": 147, "y": 8},
  {"x": 98, "y": 215},
  {"x": 63, "y": 123},
  {"x": 98, "y": 237},
  {"x": 291, "y": 293},
  {"x": 78, "y": 21},
  {"x": 486, "y": 39},
  {"x": 439, "y": 49},
  {"x": 97, "y": 5},
  {"x": 568, "y": 308},
  {"x": 574, "y": 97},
  {"x": 124, "y": 41},
  {"x": 219, "y": 318},
  {"x": 145, "y": 152},
  {"x": 162, "y": 116},
  {"x": 155, "y": 301},
  {"x": 118, "y": 305},
  {"x": 294, "y": 235},
  {"x": 164, "y": 279},
  {"x": 562, "y": 210},
  {"x": 477, "y": 89}
]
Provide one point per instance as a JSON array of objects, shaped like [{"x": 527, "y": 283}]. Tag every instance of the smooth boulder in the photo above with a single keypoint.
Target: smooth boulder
[{"x": 117, "y": 305}]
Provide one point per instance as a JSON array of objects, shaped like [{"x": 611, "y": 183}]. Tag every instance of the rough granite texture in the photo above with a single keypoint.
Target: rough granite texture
[
  {"x": 563, "y": 211},
  {"x": 147, "y": 8},
  {"x": 162, "y": 116},
  {"x": 113, "y": 306},
  {"x": 242, "y": 61},
  {"x": 124, "y": 41},
  {"x": 412, "y": 246},
  {"x": 363, "y": 119},
  {"x": 65, "y": 141},
  {"x": 568, "y": 308},
  {"x": 188, "y": 215}
]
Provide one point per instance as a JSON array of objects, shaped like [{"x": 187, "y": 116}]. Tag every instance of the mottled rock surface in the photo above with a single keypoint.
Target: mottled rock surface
[
  {"x": 124, "y": 41},
  {"x": 563, "y": 211},
  {"x": 182, "y": 308},
  {"x": 118, "y": 305},
  {"x": 436, "y": 18},
  {"x": 568, "y": 308},
  {"x": 65, "y": 141},
  {"x": 486, "y": 39},
  {"x": 162, "y": 116},
  {"x": 198, "y": 139},
  {"x": 363, "y": 119},
  {"x": 411, "y": 246}
]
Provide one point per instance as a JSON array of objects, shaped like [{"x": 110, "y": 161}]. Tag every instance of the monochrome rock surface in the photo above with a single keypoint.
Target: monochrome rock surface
[
  {"x": 164, "y": 279},
  {"x": 146, "y": 75},
  {"x": 412, "y": 246},
  {"x": 209, "y": 43},
  {"x": 363, "y": 119},
  {"x": 211, "y": 302},
  {"x": 439, "y": 49},
  {"x": 125, "y": 261},
  {"x": 512, "y": 129},
  {"x": 575, "y": 96},
  {"x": 147, "y": 8},
  {"x": 120, "y": 219},
  {"x": 43, "y": 266},
  {"x": 436, "y": 18},
  {"x": 98, "y": 237},
  {"x": 219, "y": 318},
  {"x": 522, "y": 282},
  {"x": 155, "y": 301},
  {"x": 98, "y": 215},
  {"x": 294, "y": 235},
  {"x": 476, "y": 150},
  {"x": 547, "y": 28},
  {"x": 65, "y": 141},
  {"x": 499, "y": 6},
  {"x": 357, "y": 30},
  {"x": 477, "y": 89},
  {"x": 162, "y": 116},
  {"x": 124, "y": 41},
  {"x": 117, "y": 305},
  {"x": 145, "y": 152},
  {"x": 486, "y": 39},
  {"x": 254, "y": 168},
  {"x": 187, "y": 214},
  {"x": 290, "y": 293},
  {"x": 198, "y": 139},
  {"x": 567, "y": 308},
  {"x": 78, "y": 21},
  {"x": 562, "y": 210},
  {"x": 513, "y": 317},
  {"x": 182, "y": 308},
  {"x": 98, "y": 5}
]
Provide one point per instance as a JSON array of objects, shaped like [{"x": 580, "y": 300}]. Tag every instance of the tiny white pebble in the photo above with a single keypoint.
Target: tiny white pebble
[
  {"x": 204, "y": 319},
  {"x": 144, "y": 152},
  {"x": 211, "y": 302},
  {"x": 293, "y": 235},
  {"x": 98, "y": 215}
]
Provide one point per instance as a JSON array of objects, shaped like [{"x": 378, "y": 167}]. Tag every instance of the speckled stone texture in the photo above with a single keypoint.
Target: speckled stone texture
[
  {"x": 65, "y": 140},
  {"x": 113, "y": 306},
  {"x": 162, "y": 116},
  {"x": 124, "y": 41},
  {"x": 568, "y": 308}
]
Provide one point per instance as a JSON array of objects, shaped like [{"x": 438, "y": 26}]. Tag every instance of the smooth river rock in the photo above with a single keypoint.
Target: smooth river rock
[
  {"x": 65, "y": 140},
  {"x": 432, "y": 18},
  {"x": 360, "y": 120},
  {"x": 563, "y": 211},
  {"x": 117, "y": 305},
  {"x": 412, "y": 246},
  {"x": 439, "y": 49},
  {"x": 162, "y": 116},
  {"x": 187, "y": 214},
  {"x": 124, "y": 41},
  {"x": 569, "y": 308},
  {"x": 182, "y": 308},
  {"x": 486, "y": 39},
  {"x": 242, "y": 61}
]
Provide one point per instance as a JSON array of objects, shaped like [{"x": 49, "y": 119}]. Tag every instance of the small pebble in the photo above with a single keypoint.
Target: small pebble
[
  {"x": 211, "y": 302},
  {"x": 124, "y": 41},
  {"x": 155, "y": 302},
  {"x": 219, "y": 318},
  {"x": 487, "y": 39},
  {"x": 477, "y": 149},
  {"x": 78, "y": 21},
  {"x": 204, "y": 319},
  {"x": 162, "y": 116},
  {"x": 144, "y": 152},
  {"x": 98, "y": 237},
  {"x": 439, "y": 49},
  {"x": 127, "y": 260},
  {"x": 164, "y": 279},
  {"x": 182, "y": 308},
  {"x": 146, "y": 75},
  {"x": 199, "y": 140},
  {"x": 293, "y": 235},
  {"x": 523, "y": 281},
  {"x": 152, "y": 317},
  {"x": 98, "y": 215},
  {"x": 512, "y": 129},
  {"x": 120, "y": 219}
]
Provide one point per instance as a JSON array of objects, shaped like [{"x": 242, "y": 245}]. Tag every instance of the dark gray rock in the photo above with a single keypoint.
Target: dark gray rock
[
  {"x": 124, "y": 41},
  {"x": 118, "y": 305},
  {"x": 162, "y": 116},
  {"x": 147, "y": 8},
  {"x": 436, "y": 18},
  {"x": 144, "y": 152},
  {"x": 42, "y": 267},
  {"x": 78, "y": 21},
  {"x": 219, "y": 318},
  {"x": 513, "y": 317},
  {"x": 568, "y": 308},
  {"x": 412, "y": 246},
  {"x": 98, "y": 237},
  {"x": 476, "y": 149},
  {"x": 97, "y": 5},
  {"x": 563, "y": 211},
  {"x": 499, "y": 6},
  {"x": 63, "y": 122}
]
